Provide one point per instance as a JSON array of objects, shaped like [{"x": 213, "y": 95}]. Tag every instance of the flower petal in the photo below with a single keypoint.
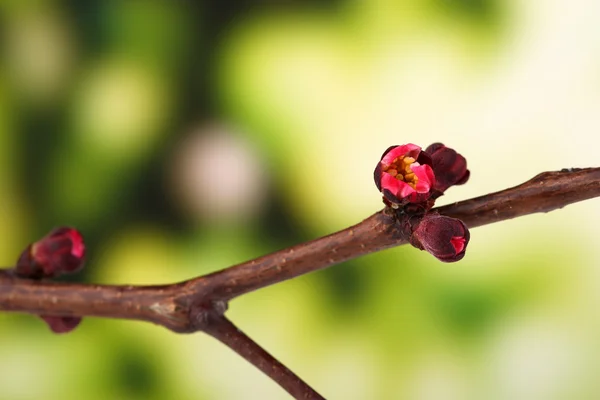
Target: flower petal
[
  {"x": 398, "y": 188},
  {"x": 459, "y": 243},
  {"x": 410, "y": 150},
  {"x": 77, "y": 248},
  {"x": 425, "y": 177}
]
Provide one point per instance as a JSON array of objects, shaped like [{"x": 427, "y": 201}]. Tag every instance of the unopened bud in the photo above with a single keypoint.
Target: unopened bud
[
  {"x": 61, "y": 251},
  {"x": 444, "y": 237},
  {"x": 61, "y": 324},
  {"x": 449, "y": 167}
]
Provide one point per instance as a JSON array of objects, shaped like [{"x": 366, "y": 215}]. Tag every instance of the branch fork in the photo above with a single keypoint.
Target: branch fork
[{"x": 199, "y": 304}]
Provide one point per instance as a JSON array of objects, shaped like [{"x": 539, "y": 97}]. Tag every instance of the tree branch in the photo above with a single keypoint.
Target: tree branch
[
  {"x": 163, "y": 305},
  {"x": 545, "y": 192},
  {"x": 199, "y": 304}
]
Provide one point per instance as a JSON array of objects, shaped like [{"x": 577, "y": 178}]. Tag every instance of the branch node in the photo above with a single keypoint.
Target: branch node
[{"x": 204, "y": 315}]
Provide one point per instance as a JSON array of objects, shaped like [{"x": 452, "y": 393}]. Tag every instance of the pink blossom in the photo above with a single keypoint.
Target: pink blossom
[{"x": 404, "y": 175}]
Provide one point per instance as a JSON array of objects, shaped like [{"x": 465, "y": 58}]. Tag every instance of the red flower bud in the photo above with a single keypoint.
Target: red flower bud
[
  {"x": 61, "y": 251},
  {"x": 61, "y": 324},
  {"x": 404, "y": 175},
  {"x": 444, "y": 237},
  {"x": 450, "y": 168}
]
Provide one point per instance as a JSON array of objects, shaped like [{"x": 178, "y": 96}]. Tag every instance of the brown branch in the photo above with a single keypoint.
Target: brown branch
[
  {"x": 546, "y": 192},
  {"x": 375, "y": 233},
  {"x": 198, "y": 304},
  {"x": 162, "y": 305}
]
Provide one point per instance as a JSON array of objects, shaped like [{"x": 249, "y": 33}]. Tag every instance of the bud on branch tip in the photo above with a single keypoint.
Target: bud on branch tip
[{"x": 60, "y": 252}]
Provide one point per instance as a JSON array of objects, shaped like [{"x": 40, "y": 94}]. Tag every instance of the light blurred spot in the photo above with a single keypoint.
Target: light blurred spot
[
  {"x": 347, "y": 368},
  {"x": 39, "y": 52},
  {"x": 120, "y": 108},
  {"x": 218, "y": 176},
  {"x": 350, "y": 366},
  {"x": 437, "y": 378},
  {"x": 536, "y": 360},
  {"x": 209, "y": 367},
  {"x": 29, "y": 370}
]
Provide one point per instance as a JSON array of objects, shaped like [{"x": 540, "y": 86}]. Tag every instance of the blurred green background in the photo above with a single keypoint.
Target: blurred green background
[{"x": 185, "y": 136}]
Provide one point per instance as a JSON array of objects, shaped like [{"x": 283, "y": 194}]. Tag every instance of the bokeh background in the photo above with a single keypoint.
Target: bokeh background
[{"x": 185, "y": 136}]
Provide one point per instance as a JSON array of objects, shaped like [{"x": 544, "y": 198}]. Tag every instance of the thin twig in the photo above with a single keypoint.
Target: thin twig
[
  {"x": 227, "y": 333},
  {"x": 375, "y": 233}
]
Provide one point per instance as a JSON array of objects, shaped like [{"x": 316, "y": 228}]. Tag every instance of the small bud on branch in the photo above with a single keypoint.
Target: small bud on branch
[
  {"x": 444, "y": 237},
  {"x": 62, "y": 251},
  {"x": 450, "y": 168}
]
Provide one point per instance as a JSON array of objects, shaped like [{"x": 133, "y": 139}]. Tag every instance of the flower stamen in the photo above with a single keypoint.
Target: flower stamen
[{"x": 400, "y": 169}]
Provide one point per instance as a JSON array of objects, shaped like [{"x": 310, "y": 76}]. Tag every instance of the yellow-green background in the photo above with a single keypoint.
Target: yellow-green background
[{"x": 292, "y": 103}]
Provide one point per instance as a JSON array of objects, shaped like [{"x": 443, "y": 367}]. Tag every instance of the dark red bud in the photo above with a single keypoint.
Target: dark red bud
[
  {"x": 449, "y": 167},
  {"x": 444, "y": 237},
  {"x": 61, "y": 324},
  {"x": 61, "y": 251}
]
